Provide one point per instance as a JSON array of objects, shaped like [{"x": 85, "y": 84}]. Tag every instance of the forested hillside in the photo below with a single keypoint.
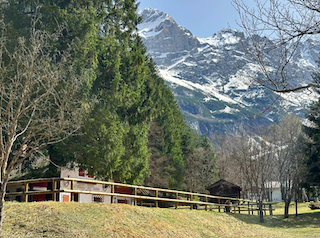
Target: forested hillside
[{"x": 133, "y": 131}]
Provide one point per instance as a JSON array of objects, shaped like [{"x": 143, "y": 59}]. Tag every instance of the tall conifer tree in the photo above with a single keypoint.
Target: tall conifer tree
[
  {"x": 123, "y": 90},
  {"x": 313, "y": 144}
]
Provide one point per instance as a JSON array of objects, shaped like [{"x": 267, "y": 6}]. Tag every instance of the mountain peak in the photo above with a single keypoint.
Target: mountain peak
[
  {"x": 151, "y": 15},
  {"x": 226, "y": 36},
  {"x": 152, "y": 18}
]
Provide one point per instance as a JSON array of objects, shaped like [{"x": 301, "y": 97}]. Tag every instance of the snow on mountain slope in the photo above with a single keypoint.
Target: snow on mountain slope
[
  {"x": 207, "y": 89},
  {"x": 211, "y": 77},
  {"x": 220, "y": 39},
  {"x": 152, "y": 20}
]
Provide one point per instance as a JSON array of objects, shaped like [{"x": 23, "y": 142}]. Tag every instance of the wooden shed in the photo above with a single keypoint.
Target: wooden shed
[{"x": 224, "y": 188}]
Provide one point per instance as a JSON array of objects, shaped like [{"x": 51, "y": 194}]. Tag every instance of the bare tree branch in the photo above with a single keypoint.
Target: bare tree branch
[
  {"x": 275, "y": 29},
  {"x": 39, "y": 98}
]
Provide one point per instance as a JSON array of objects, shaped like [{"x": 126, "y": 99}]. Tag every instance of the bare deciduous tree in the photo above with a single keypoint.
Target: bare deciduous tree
[
  {"x": 39, "y": 99},
  {"x": 288, "y": 159},
  {"x": 201, "y": 170},
  {"x": 248, "y": 162},
  {"x": 227, "y": 167},
  {"x": 256, "y": 165},
  {"x": 287, "y": 23},
  {"x": 257, "y": 161}
]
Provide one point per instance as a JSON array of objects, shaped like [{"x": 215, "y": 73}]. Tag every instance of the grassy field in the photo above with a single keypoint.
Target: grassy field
[{"x": 53, "y": 219}]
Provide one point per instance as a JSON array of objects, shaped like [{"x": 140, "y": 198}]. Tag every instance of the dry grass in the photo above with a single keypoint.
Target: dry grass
[{"x": 54, "y": 219}]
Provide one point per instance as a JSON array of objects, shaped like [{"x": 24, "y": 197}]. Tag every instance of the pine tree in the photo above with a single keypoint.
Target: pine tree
[
  {"x": 121, "y": 91},
  {"x": 126, "y": 97},
  {"x": 312, "y": 144}
]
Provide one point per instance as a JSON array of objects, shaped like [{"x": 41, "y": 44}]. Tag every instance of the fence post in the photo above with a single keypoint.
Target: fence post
[
  {"x": 135, "y": 194},
  {"x": 112, "y": 191},
  {"x": 234, "y": 207},
  {"x": 72, "y": 188},
  {"x": 206, "y": 206},
  {"x": 229, "y": 207},
  {"x": 239, "y": 206},
  {"x": 59, "y": 188},
  {"x": 157, "y": 195},
  {"x": 270, "y": 209},
  {"x": 26, "y": 189},
  {"x": 249, "y": 208},
  {"x": 176, "y": 203},
  {"x": 219, "y": 204},
  {"x": 191, "y": 199},
  {"x": 54, "y": 187}
]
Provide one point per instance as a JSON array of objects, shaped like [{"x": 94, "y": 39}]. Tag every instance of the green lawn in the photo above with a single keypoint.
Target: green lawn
[
  {"x": 306, "y": 224},
  {"x": 54, "y": 219}
]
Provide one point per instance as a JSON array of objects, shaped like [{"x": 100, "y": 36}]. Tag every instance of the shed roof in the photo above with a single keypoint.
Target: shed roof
[{"x": 223, "y": 183}]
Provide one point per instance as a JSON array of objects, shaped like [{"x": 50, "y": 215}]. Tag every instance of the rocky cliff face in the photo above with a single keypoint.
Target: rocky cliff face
[
  {"x": 165, "y": 39},
  {"x": 209, "y": 76}
]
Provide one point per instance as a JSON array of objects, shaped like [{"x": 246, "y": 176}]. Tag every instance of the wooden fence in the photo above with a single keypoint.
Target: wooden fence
[{"x": 156, "y": 195}]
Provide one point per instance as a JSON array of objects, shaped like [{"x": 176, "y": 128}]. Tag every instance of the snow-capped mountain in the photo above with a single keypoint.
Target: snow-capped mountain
[{"x": 209, "y": 76}]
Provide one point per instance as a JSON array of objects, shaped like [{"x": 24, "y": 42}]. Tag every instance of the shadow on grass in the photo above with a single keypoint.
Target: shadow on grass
[{"x": 303, "y": 220}]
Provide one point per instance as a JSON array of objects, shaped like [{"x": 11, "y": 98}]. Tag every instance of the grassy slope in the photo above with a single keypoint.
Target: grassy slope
[{"x": 53, "y": 219}]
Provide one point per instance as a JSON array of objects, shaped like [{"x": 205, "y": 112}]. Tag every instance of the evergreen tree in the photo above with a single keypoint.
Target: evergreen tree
[
  {"x": 77, "y": 21},
  {"x": 126, "y": 97},
  {"x": 312, "y": 144},
  {"x": 113, "y": 55},
  {"x": 124, "y": 92}
]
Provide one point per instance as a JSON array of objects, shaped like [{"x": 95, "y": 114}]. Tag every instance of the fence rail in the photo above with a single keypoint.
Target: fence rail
[{"x": 176, "y": 197}]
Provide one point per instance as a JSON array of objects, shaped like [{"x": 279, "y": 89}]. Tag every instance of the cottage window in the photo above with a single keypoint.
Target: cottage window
[
  {"x": 98, "y": 199},
  {"x": 90, "y": 174},
  {"x": 82, "y": 173}
]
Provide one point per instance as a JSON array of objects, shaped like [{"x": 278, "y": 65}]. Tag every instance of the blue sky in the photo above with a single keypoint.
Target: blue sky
[{"x": 201, "y": 17}]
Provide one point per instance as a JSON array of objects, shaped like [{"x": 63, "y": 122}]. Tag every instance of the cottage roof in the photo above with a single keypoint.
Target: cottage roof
[{"x": 223, "y": 183}]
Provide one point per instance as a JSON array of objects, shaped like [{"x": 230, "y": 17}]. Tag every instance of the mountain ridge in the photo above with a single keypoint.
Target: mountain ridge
[{"x": 210, "y": 77}]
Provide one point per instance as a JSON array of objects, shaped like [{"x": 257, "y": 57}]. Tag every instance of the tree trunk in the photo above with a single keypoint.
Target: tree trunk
[
  {"x": 286, "y": 208},
  {"x": 304, "y": 195},
  {"x": 3, "y": 187},
  {"x": 261, "y": 211},
  {"x": 316, "y": 195}
]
